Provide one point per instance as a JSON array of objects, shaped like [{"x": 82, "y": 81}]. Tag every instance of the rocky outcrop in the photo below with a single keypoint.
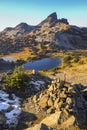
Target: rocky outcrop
[
  {"x": 65, "y": 105},
  {"x": 24, "y": 28},
  {"x": 7, "y": 29},
  {"x": 71, "y": 38},
  {"x": 62, "y": 40},
  {"x": 40, "y": 127},
  {"x": 63, "y": 20},
  {"x": 52, "y": 18},
  {"x": 52, "y": 120},
  {"x": 19, "y": 30}
]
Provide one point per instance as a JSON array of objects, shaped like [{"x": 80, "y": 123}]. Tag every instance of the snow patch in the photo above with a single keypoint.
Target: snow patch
[
  {"x": 38, "y": 84},
  {"x": 11, "y": 107}
]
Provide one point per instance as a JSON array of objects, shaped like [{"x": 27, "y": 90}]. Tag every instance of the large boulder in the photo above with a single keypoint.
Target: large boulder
[
  {"x": 40, "y": 127},
  {"x": 52, "y": 120},
  {"x": 43, "y": 101},
  {"x": 69, "y": 122},
  {"x": 63, "y": 20}
]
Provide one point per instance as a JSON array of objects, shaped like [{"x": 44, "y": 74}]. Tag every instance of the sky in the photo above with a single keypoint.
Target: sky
[{"x": 13, "y": 12}]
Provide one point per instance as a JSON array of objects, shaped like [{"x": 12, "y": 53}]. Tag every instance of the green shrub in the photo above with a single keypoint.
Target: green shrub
[
  {"x": 76, "y": 59},
  {"x": 67, "y": 59},
  {"x": 18, "y": 79},
  {"x": 81, "y": 62},
  {"x": 66, "y": 62}
]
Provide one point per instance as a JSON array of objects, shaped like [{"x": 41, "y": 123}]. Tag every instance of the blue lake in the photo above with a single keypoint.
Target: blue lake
[{"x": 44, "y": 64}]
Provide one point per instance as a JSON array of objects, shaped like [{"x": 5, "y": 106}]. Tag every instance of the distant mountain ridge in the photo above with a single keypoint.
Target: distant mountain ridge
[
  {"x": 18, "y": 30},
  {"x": 23, "y": 28},
  {"x": 51, "y": 31}
]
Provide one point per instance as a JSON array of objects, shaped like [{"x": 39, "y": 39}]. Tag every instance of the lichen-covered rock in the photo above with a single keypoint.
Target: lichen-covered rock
[
  {"x": 56, "y": 103},
  {"x": 40, "y": 127},
  {"x": 65, "y": 105},
  {"x": 69, "y": 100},
  {"x": 62, "y": 95},
  {"x": 52, "y": 120},
  {"x": 50, "y": 102},
  {"x": 50, "y": 110},
  {"x": 43, "y": 101},
  {"x": 50, "y": 89}
]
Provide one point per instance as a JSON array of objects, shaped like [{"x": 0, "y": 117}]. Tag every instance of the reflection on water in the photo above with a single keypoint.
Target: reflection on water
[
  {"x": 44, "y": 64},
  {"x": 10, "y": 59}
]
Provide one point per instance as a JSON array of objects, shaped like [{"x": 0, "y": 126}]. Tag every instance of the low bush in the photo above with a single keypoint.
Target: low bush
[{"x": 18, "y": 79}]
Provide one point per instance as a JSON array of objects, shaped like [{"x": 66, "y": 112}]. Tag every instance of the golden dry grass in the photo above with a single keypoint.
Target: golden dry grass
[
  {"x": 76, "y": 66},
  {"x": 24, "y": 54}
]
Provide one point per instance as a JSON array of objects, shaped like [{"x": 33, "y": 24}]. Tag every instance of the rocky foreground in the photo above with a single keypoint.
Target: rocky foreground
[{"x": 61, "y": 106}]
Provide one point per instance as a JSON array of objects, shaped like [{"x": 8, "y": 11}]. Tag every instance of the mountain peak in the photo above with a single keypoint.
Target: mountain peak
[
  {"x": 53, "y": 16},
  {"x": 22, "y": 25}
]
